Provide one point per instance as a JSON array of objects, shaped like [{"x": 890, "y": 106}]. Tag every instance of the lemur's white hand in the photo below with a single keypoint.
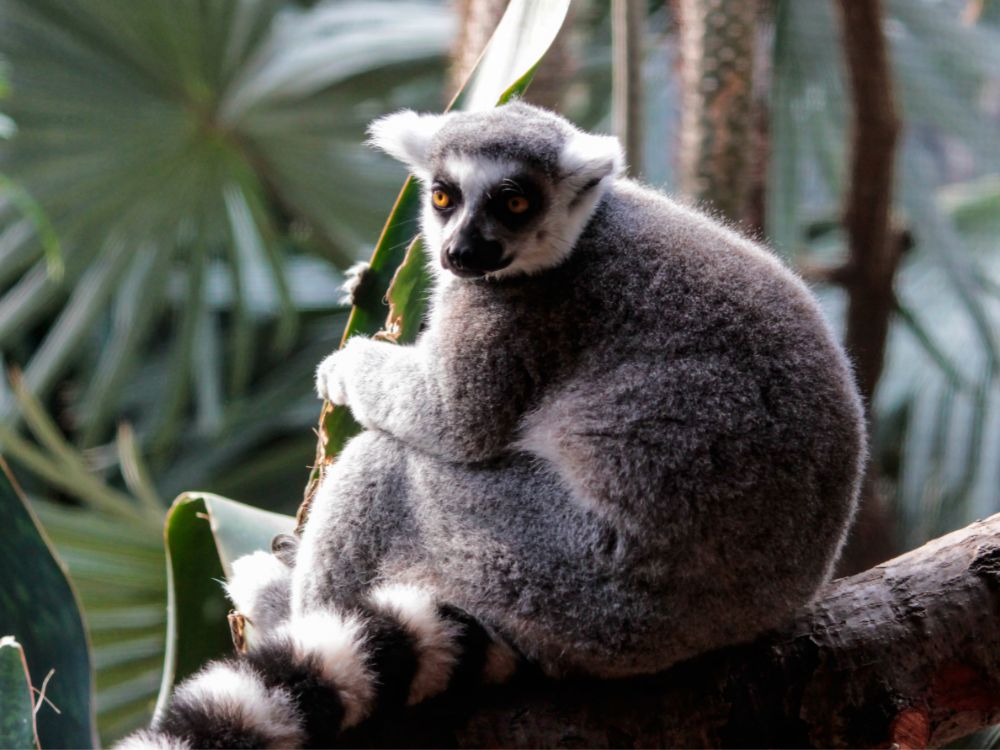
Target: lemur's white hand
[
  {"x": 335, "y": 373},
  {"x": 364, "y": 376},
  {"x": 330, "y": 384}
]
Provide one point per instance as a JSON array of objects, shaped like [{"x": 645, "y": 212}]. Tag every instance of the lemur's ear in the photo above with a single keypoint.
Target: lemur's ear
[
  {"x": 587, "y": 159},
  {"x": 405, "y": 135}
]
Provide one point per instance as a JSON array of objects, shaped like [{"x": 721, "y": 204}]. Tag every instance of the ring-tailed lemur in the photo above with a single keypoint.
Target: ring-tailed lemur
[{"x": 625, "y": 437}]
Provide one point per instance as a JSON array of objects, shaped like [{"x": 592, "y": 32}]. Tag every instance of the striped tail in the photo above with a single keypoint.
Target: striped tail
[{"x": 319, "y": 674}]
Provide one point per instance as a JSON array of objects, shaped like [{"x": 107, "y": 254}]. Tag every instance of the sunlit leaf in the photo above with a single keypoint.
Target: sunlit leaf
[
  {"x": 204, "y": 534},
  {"x": 524, "y": 34}
]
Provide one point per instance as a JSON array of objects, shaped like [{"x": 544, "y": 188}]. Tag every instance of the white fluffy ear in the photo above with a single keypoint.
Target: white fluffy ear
[
  {"x": 589, "y": 158},
  {"x": 405, "y": 135}
]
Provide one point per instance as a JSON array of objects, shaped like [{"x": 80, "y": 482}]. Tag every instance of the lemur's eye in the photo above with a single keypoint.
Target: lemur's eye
[
  {"x": 518, "y": 204},
  {"x": 441, "y": 199}
]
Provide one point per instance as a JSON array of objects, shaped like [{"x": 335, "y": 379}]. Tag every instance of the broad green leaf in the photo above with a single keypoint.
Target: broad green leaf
[
  {"x": 117, "y": 566},
  {"x": 524, "y": 34},
  {"x": 17, "y": 717},
  {"x": 136, "y": 128},
  {"x": 204, "y": 533},
  {"x": 39, "y": 608},
  {"x": 111, "y": 546}
]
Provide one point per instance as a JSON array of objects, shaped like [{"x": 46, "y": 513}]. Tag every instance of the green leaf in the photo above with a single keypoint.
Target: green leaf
[
  {"x": 39, "y": 608},
  {"x": 204, "y": 534},
  {"x": 30, "y": 209},
  {"x": 135, "y": 127},
  {"x": 522, "y": 37},
  {"x": 117, "y": 566},
  {"x": 17, "y": 716}
]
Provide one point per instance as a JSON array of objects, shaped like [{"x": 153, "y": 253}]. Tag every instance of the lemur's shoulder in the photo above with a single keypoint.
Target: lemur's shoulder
[{"x": 638, "y": 231}]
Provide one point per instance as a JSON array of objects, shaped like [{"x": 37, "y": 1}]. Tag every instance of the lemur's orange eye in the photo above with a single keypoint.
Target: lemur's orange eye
[
  {"x": 441, "y": 199},
  {"x": 517, "y": 204}
]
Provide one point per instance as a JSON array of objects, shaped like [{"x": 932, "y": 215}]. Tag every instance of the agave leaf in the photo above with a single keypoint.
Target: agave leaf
[
  {"x": 30, "y": 298},
  {"x": 182, "y": 356},
  {"x": 134, "y": 469},
  {"x": 209, "y": 356},
  {"x": 44, "y": 230},
  {"x": 89, "y": 296},
  {"x": 39, "y": 608},
  {"x": 117, "y": 566},
  {"x": 912, "y": 321},
  {"x": 521, "y": 39},
  {"x": 17, "y": 251},
  {"x": 244, "y": 254},
  {"x": 17, "y": 715},
  {"x": 204, "y": 533},
  {"x": 137, "y": 307},
  {"x": 111, "y": 549},
  {"x": 170, "y": 112}
]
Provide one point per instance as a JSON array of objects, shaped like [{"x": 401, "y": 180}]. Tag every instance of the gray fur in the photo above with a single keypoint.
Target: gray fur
[{"x": 646, "y": 448}]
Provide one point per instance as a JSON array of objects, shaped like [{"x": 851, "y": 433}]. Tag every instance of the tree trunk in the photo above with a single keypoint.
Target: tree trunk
[
  {"x": 874, "y": 249},
  {"x": 905, "y": 654},
  {"x": 717, "y": 51},
  {"x": 627, "y": 27}
]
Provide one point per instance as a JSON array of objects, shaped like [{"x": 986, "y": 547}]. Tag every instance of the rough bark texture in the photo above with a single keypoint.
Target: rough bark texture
[
  {"x": 627, "y": 28},
  {"x": 717, "y": 52},
  {"x": 907, "y": 653},
  {"x": 874, "y": 250}
]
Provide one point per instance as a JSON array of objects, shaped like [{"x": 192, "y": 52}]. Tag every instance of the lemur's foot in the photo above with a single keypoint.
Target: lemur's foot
[
  {"x": 261, "y": 589},
  {"x": 355, "y": 279}
]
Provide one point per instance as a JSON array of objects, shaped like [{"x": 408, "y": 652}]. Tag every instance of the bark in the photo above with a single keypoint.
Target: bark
[
  {"x": 627, "y": 26},
  {"x": 873, "y": 247},
  {"x": 904, "y": 654},
  {"x": 755, "y": 210},
  {"x": 873, "y": 251},
  {"x": 718, "y": 40}
]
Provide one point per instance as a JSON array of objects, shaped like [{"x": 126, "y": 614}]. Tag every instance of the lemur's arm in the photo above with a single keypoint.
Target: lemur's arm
[{"x": 461, "y": 405}]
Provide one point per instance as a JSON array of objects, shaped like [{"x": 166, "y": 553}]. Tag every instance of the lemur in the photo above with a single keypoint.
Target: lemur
[{"x": 626, "y": 436}]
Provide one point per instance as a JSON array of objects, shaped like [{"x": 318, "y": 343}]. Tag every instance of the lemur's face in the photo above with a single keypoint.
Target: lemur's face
[
  {"x": 486, "y": 216},
  {"x": 506, "y": 192}
]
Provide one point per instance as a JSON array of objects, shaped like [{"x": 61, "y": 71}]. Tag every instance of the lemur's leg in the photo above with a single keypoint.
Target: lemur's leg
[
  {"x": 360, "y": 530},
  {"x": 379, "y": 639}
]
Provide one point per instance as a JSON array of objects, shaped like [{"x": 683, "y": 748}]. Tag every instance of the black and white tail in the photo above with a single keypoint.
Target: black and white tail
[{"x": 311, "y": 677}]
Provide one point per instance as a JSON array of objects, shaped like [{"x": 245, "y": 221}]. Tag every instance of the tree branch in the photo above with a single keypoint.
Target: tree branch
[
  {"x": 907, "y": 653},
  {"x": 873, "y": 251},
  {"x": 627, "y": 27},
  {"x": 717, "y": 43}
]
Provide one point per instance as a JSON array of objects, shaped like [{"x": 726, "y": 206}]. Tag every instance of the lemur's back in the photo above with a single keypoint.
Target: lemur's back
[{"x": 703, "y": 427}]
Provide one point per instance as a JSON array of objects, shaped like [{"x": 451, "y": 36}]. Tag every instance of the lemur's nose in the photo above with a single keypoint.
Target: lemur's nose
[{"x": 474, "y": 255}]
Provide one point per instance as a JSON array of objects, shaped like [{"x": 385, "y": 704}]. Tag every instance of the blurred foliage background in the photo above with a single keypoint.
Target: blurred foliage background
[{"x": 182, "y": 186}]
